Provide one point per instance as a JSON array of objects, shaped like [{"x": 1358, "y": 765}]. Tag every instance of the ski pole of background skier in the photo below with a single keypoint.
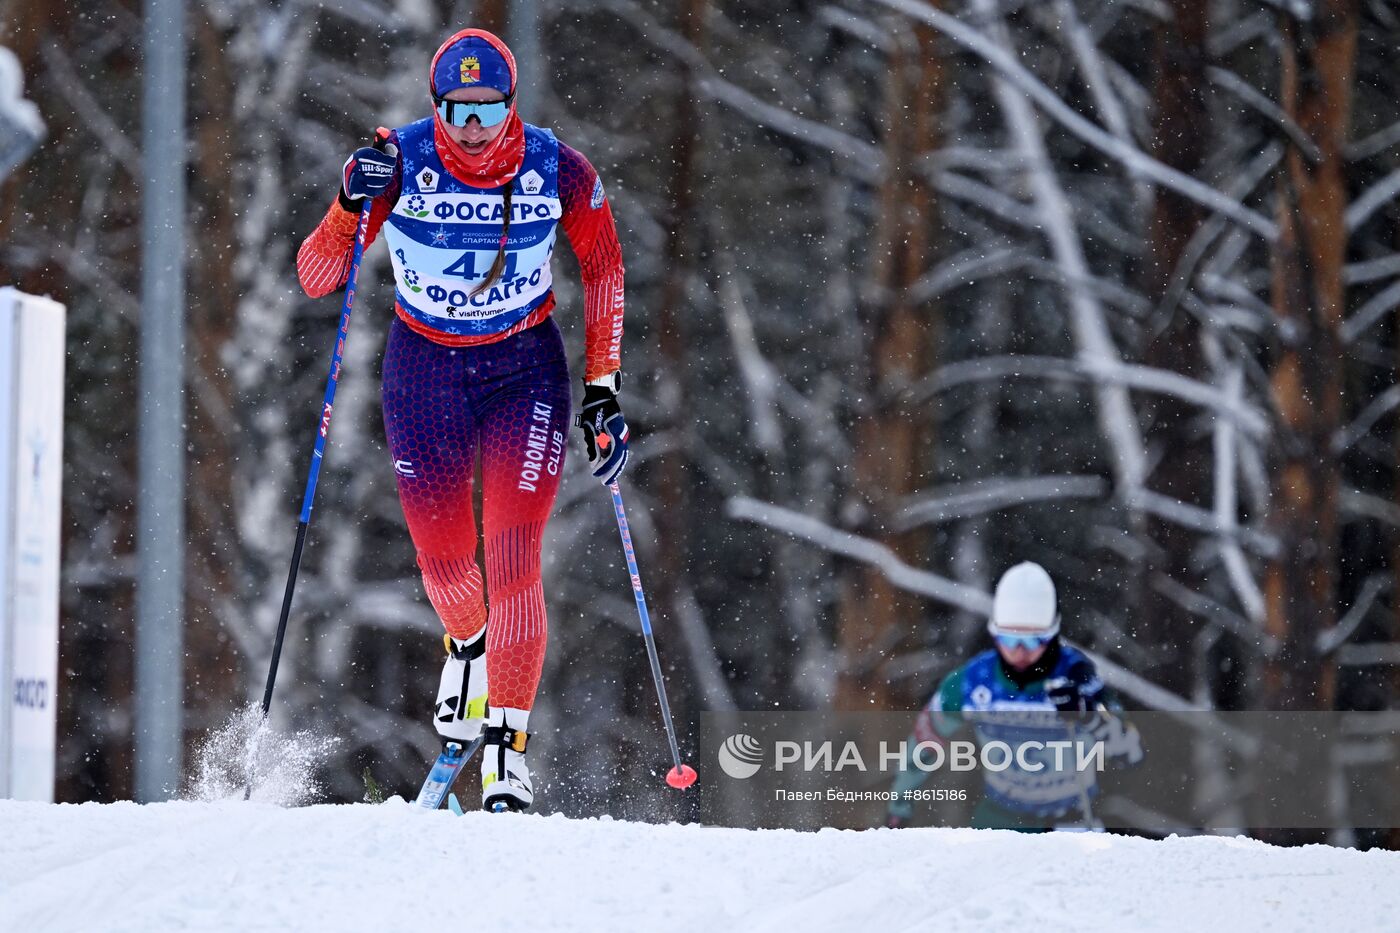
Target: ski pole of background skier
[
  {"x": 317, "y": 455},
  {"x": 682, "y": 775}
]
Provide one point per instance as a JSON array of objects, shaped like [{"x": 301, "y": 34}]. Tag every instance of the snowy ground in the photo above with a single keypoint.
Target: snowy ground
[{"x": 237, "y": 866}]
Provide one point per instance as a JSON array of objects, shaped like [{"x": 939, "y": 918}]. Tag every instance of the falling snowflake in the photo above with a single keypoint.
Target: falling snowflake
[
  {"x": 440, "y": 236},
  {"x": 533, "y": 145},
  {"x": 426, "y": 147},
  {"x": 551, "y": 165}
]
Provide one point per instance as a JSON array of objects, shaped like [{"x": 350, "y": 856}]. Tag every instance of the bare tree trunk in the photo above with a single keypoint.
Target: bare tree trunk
[
  {"x": 1183, "y": 469},
  {"x": 672, "y": 517},
  {"x": 893, "y": 434},
  {"x": 675, "y": 506},
  {"x": 1309, "y": 298}
]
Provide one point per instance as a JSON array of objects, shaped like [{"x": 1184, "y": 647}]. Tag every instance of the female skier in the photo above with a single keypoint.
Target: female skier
[{"x": 469, "y": 200}]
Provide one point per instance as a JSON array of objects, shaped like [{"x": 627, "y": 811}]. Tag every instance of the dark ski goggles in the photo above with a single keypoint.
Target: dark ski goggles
[
  {"x": 458, "y": 112},
  {"x": 1029, "y": 642}
]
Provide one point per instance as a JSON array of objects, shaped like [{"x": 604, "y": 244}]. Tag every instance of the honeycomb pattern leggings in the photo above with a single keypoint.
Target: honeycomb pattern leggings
[{"x": 509, "y": 402}]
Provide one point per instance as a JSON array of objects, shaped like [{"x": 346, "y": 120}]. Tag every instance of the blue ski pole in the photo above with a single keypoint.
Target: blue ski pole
[
  {"x": 682, "y": 775},
  {"x": 318, "y": 452}
]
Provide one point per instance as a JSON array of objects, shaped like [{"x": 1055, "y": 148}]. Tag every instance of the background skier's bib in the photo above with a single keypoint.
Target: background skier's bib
[
  {"x": 443, "y": 236},
  {"x": 1023, "y": 714}
]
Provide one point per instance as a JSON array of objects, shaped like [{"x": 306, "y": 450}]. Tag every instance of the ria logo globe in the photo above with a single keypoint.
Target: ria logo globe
[{"x": 740, "y": 756}]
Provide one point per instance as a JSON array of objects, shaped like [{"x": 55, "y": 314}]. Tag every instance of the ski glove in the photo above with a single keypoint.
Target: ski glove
[
  {"x": 1079, "y": 692},
  {"x": 1120, "y": 740},
  {"x": 368, "y": 171},
  {"x": 1065, "y": 694},
  {"x": 604, "y": 431}
]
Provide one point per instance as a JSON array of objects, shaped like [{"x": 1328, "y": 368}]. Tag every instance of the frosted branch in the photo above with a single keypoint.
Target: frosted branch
[
  {"x": 1227, "y": 80},
  {"x": 990, "y": 495},
  {"x": 1094, "y": 344},
  {"x": 1377, "y": 307},
  {"x": 1329, "y": 640},
  {"x": 1144, "y": 378},
  {"x": 1372, "y": 199},
  {"x": 862, "y": 549},
  {"x": 1376, "y": 409},
  {"x": 760, "y": 378},
  {"x": 109, "y": 135},
  {"x": 1134, "y": 159}
]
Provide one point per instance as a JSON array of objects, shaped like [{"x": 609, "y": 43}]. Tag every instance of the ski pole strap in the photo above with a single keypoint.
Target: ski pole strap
[{"x": 514, "y": 739}]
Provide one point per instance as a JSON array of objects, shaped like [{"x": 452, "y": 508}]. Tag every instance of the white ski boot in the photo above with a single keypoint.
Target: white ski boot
[
  {"x": 505, "y": 779},
  {"x": 461, "y": 699}
]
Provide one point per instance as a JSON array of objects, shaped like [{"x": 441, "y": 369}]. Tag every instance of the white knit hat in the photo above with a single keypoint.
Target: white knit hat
[{"x": 1025, "y": 603}]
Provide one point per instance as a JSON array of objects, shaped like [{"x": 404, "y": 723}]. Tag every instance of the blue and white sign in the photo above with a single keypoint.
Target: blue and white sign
[{"x": 31, "y": 474}]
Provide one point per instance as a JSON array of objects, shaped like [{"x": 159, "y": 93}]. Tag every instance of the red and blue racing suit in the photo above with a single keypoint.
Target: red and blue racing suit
[{"x": 482, "y": 373}]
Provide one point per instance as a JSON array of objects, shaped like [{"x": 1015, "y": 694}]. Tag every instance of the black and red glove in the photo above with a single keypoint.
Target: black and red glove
[{"x": 605, "y": 431}]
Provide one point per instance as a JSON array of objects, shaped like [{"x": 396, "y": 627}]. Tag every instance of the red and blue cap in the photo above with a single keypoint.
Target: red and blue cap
[{"x": 472, "y": 59}]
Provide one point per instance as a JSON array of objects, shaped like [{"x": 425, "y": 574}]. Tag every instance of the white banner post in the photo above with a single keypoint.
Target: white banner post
[{"x": 31, "y": 487}]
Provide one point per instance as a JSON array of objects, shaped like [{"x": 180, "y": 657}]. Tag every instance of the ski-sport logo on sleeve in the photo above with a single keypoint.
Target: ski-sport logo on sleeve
[{"x": 597, "y": 200}]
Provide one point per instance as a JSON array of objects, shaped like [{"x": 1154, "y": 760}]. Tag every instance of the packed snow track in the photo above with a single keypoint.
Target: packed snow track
[{"x": 238, "y": 866}]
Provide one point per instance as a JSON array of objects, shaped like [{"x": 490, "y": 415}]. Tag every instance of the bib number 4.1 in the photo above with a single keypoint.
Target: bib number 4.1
[{"x": 465, "y": 267}]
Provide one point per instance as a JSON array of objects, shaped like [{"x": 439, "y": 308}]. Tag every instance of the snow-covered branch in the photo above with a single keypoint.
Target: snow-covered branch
[
  {"x": 1368, "y": 505},
  {"x": 1329, "y": 640},
  {"x": 1206, "y": 521},
  {"x": 1094, "y": 343},
  {"x": 1229, "y": 81},
  {"x": 1143, "y": 378},
  {"x": 1372, "y": 199},
  {"x": 99, "y": 125},
  {"x": 1133, "y": 159},
  {"x": 1375, "y": 410},
  {"x": 862, "y": 549},
  {"x": 1227, "y": 504},
  {"x": 864, "y": 157},
  {"x": 990, "y": 495},
  {"x": 1198, "y": 604},
  {"x": 1377, "y": 307}
]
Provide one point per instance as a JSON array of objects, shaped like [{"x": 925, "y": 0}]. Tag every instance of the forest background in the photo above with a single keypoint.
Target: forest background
[{"x": 915, "y": 291}]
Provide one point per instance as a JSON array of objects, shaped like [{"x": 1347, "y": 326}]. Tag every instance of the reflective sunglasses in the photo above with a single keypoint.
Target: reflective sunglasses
[
  {"x": 1030, "y": 642},
  {"x": 457, "y": 112}
]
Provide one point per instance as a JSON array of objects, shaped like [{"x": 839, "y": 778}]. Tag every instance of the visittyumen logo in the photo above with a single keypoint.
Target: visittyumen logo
[
  {"x": 741, "y": 756},
  {"x": 471, "y": 69}
]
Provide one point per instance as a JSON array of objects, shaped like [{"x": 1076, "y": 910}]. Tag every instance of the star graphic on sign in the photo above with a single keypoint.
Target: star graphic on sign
[{"x": 440, "y": 236}]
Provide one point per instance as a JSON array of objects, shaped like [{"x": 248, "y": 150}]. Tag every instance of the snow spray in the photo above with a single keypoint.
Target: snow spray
[{"x": 247, "y": 754}]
